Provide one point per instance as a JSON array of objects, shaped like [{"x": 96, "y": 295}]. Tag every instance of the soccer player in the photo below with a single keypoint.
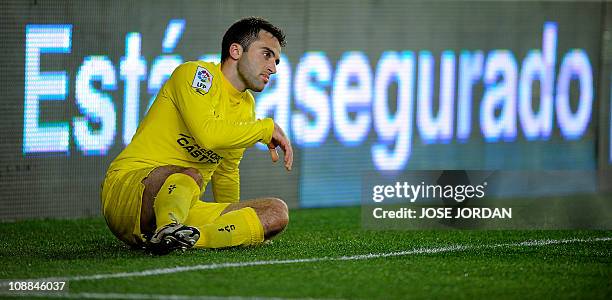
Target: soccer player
[{"x": 196, "y": 131}]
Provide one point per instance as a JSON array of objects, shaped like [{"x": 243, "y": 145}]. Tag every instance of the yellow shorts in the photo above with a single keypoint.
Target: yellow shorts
[{"x": 122, "y": 192}]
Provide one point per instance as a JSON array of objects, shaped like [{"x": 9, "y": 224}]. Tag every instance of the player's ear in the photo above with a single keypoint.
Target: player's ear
[{"x": 235, "y": 51}]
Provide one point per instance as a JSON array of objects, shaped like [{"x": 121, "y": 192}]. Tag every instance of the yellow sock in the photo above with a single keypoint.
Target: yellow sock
[
  {"x": 178, "y": 193},
  {"x": 236, "y": 228}
]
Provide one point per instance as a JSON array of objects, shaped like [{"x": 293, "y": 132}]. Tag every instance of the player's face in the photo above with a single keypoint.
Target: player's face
[{"x": 257, "y": 64}]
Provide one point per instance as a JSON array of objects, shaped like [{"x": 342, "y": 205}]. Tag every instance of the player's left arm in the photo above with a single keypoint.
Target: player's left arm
[
  {"x": 280, "y": 140},
  {"x": 226, "y": 178}
]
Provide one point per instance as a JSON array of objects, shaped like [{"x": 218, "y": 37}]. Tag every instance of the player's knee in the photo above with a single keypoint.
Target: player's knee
[
  {"x": 282, "y": 211},
  {"x": 278, "y": 214},
  {"x": 195, "y": 174}
]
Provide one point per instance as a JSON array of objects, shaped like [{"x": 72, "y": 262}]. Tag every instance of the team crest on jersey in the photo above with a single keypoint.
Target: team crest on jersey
[{"x": 202, "y": 81}]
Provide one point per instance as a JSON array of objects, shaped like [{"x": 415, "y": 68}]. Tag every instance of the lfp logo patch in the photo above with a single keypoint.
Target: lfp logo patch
[{"x": 202, "y": 80}]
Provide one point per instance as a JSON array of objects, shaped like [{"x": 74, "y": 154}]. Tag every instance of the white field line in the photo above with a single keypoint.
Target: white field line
[
  {"x": 163, "y": 271},
  {"x": 140, "y": 296}
]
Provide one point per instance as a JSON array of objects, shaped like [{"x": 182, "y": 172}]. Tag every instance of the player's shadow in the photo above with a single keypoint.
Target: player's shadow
[
  {"x": 86, "y": 249},
  {"x": 108, "y": 249}
]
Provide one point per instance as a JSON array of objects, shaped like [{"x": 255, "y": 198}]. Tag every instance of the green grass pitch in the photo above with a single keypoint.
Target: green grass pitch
[{"x": 404, "y": 264}]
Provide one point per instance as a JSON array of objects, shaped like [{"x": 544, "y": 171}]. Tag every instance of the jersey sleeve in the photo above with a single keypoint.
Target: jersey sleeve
[
  {"x": 226, "y": 178},
  {"x": 196, "y": 106}
]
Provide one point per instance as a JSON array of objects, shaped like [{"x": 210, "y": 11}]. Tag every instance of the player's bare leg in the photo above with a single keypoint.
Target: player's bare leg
[
  {"x": 169, "y": 193},
  {"x": 272, "y": 212},
  {"x": 153, "y": 184}
]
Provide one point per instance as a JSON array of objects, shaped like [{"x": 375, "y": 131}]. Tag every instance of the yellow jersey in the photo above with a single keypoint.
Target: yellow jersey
[{"x": 198, "y": 120}]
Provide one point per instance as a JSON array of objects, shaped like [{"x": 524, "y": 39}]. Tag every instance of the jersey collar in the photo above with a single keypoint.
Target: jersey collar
[{"x": 235, "y": 95}]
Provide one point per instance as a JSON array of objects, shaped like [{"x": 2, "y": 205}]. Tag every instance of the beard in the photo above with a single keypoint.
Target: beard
[{"x": 249, "y": 76}]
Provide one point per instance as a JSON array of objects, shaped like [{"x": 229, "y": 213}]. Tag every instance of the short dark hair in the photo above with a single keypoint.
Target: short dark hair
[{"x": 245, "y": 31}]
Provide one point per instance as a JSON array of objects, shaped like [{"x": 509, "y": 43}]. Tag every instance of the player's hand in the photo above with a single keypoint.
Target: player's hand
[{"x": 279, "y": 139}]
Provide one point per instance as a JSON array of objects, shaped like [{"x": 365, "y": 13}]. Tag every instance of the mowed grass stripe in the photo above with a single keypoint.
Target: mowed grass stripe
[
  {"x": 418, "y": 251},
  {"x": 133, "y": 296}
]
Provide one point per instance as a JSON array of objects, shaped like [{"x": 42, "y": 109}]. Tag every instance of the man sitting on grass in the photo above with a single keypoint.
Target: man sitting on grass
[{"x": 196, "y": 131}]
